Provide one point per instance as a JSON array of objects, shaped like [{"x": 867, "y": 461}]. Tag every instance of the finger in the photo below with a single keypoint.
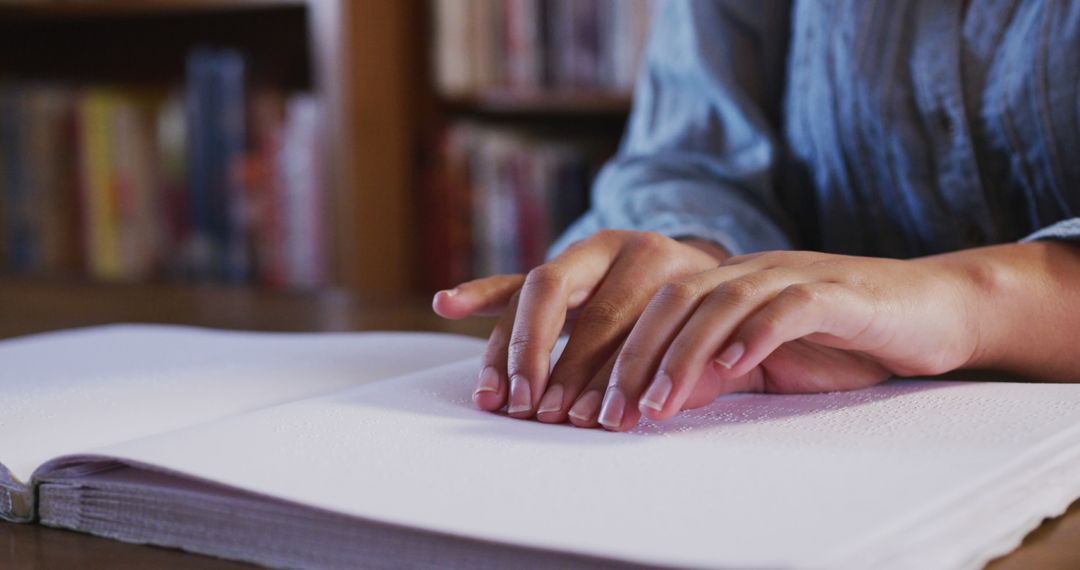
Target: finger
[
  {"x": 481, "y": 297},
  {"x": 705, "y": 332},
  {"x": 798, "y": 311},
  {"x": 585, "y": 411},
  {"x": 661, "y": 321},
  {"x": 602, "y": 325},
  {"x": 492, "y": 388},
  {"x": 548, "y": 292}
]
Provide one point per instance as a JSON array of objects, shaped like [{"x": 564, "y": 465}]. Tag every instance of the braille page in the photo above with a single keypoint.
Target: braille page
[
  {"x": 67, "y": 392},
  {"x": 757, "y": 481}
]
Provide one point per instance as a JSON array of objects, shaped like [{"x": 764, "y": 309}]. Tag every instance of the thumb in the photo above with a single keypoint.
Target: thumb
[{"x": 481, "y": 297}]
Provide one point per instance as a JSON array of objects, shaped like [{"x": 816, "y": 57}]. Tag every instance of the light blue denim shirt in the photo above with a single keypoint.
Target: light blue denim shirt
[{"x": 893, "y": 128}]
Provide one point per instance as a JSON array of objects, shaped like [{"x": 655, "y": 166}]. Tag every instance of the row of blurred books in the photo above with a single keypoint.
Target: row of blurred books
[
  {"x": 215, "y": 182},
  {"x": 524, "y": 46},
  {"x": 500, "y": 195}
]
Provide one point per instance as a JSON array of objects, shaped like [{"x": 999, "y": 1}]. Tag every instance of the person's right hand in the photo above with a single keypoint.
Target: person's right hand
[{"x": 597, "y": 288}]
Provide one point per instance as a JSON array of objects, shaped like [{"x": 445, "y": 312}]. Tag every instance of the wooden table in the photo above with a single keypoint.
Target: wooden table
[{"x": 29, "y": 306}]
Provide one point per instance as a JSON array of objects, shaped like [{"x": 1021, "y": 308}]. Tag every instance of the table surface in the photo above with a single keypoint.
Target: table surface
[{"x": 30, "y": 306}]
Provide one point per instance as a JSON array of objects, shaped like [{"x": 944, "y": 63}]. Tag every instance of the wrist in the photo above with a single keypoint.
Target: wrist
[
  {"x": 982, "y": 284},
  {"x": 1011, "y": 297}
]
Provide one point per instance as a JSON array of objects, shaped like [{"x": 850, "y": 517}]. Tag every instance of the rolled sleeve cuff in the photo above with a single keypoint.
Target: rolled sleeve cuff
[
  {"x": 1064, "y": 230},
  {"x": 693, "y": 211}
]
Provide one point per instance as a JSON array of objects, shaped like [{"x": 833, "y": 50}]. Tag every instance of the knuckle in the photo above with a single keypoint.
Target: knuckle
[
  {"x": 677, "y": 293},
  {"x": 604, "y": 312},
  {"x": 518, "y": 346},
  {"x": 765, "y": 326},
  {"x": 546, "y": 276},
  {"x": 801, "y": 294},
  {"x": 650, "y": 241},
  {"x": 737, "y": 259},
  {"x": 735, "y": 292},
  {"x": 631, "y": 355}
]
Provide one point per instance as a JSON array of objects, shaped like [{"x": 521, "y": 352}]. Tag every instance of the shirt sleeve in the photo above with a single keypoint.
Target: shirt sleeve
[
  {"x": 699, "y": 154},
  {"x": 1067, "y": 229}
]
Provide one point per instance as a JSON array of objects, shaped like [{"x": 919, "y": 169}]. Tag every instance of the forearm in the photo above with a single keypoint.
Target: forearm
[{"x": 1023, "y": 304}]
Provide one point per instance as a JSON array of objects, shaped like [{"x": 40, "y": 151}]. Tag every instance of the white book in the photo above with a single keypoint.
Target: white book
[{"x": 364, "y": 450}]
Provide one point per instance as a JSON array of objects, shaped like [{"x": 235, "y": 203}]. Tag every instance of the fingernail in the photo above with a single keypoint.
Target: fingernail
[
  {"x": 584, "y": 410},
  {"x": 576, "y": 298},
  {"x": 657, "y": 394},
  {"x": 552, "y": 401},
  {"x": 614, "y": 406},
  {"x": 450, "y": 292},
  {"x": 488, "y": 382},
  {"x": 520, "y": 395},
  {"x": 731, "y": 355}
]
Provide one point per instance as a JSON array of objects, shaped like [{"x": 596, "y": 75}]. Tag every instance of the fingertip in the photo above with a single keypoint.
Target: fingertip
[
  {"x": 630, "y": 419},
  {"x": 583, "y": 413},
  {"x": 648, "y": 412},
  {"x": 582, "y": 423},
  {"x": 731, "y": 357},
  {"x": 520, "y": 404},
  {"x": 488, "y": 401},
  {"x": 551, "y": 417},
  {"x": 550, "y": 409},
  {"x": 450, "y": 304},
  {"x": 656, "y": 396},
  {"x": 490, "y": 393}
]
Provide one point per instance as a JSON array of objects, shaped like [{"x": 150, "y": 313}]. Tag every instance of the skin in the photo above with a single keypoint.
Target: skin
[{"x": 658, "y": 326}]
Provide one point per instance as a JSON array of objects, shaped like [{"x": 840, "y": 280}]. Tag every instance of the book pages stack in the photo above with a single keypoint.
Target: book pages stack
[{"x": 404, "y": 471}]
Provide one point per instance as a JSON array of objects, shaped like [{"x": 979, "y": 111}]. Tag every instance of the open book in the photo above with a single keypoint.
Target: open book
[{"x": 364, "y": 450}]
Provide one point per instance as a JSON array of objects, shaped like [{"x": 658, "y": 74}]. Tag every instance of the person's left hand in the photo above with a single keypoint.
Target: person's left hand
[{"x": 790, "y": 322}]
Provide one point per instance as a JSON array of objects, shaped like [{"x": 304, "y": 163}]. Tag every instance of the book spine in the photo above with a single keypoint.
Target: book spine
[
  {"x": 303, "y": 201},
  {"x": 261, "y": 180},
  {"x": 485, "y": 43},
  {"x": 523, "y": 38},
  {"x": 7, "y": 165},
  {"x": 55, "y": 161},
  {"x": 4, "y": 181},
  {"x": 216, "y": 125},
  {"x": 586, "y": 44},
  {"x": 234, "y": 225},
  {"x": 97, "y": 186},
  {"x": 450, "y": 48},
  {"x": 203, "y": 160},
  {"x": 133, "y": 164},
  {"x": 173, "y": 212},
  {"x": 20, "y": 231}
]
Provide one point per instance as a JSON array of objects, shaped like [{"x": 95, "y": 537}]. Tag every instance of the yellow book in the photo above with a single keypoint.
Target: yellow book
[{"x": 99, "y": 218}]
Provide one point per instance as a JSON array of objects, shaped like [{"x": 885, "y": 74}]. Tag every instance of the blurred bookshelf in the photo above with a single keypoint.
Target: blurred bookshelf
[
  {"x": 331, "y": 80},
  {"x": 529, "y": 99},
  {"x": 417, "y": 178}
]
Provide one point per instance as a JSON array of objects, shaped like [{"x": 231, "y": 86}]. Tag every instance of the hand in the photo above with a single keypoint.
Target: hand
[
  {"x": 790, "y": 322},
  {"x": 597, "y": 288}
]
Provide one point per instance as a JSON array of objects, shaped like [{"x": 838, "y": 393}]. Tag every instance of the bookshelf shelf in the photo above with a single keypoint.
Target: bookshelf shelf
[
  {"x": 42, "y": 304},
  {"x": 554, "y": 104},
  {"x": 112, "y": 8}
]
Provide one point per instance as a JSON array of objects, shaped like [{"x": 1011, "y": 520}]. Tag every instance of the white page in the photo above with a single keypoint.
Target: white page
[
  {"x": 749, "y": 481},
  {"x": 67, "y": 392}
]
